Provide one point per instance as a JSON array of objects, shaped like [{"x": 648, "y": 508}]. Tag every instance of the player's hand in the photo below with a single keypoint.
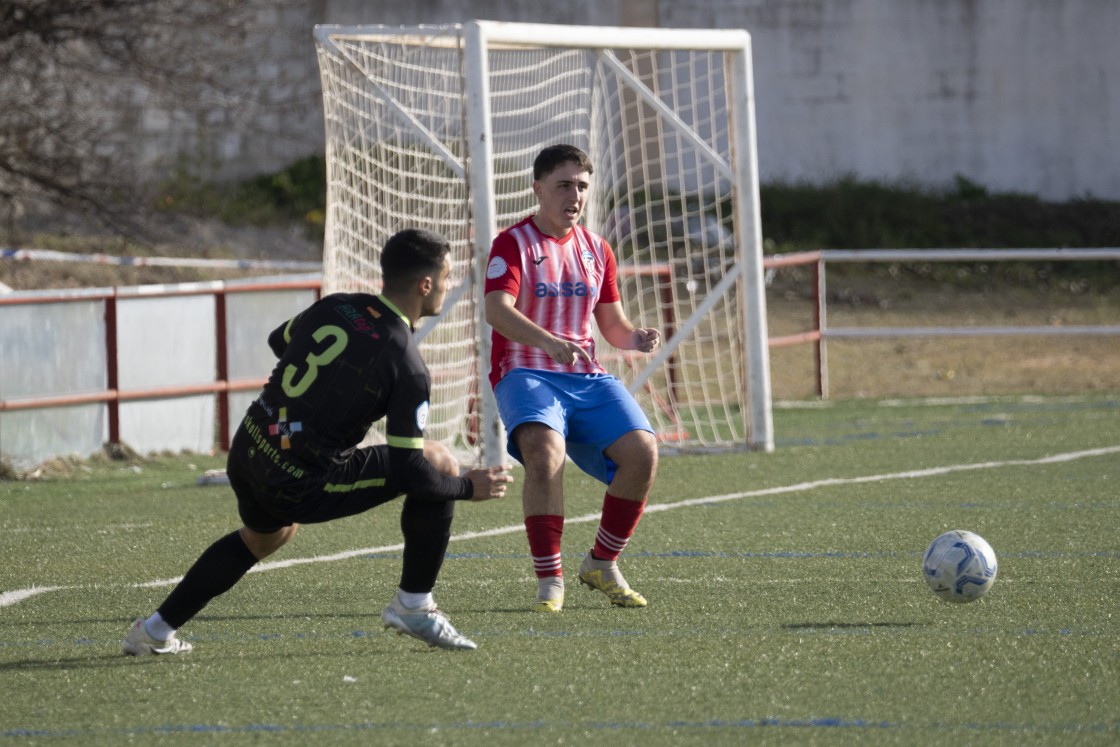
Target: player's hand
[
  {"x": 489, "y": 482},
  {"x": 646, "y": 340},
  {"x": 566, "y": 351}
]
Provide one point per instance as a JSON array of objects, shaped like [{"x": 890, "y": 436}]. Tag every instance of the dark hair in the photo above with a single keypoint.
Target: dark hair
[
  {"x": 549, "y": 159},
  {"x": 411, "y": 254}
]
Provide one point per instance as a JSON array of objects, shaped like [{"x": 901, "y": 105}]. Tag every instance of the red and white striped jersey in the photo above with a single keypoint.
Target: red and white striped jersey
[{"x": 557, "y": 284}]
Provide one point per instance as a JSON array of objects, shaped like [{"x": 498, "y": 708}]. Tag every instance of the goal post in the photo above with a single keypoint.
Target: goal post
[{"x": 437, "y": 127}]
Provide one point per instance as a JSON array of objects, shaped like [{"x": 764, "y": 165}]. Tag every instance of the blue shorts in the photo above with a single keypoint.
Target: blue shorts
[{"x": 591, "y": 412}]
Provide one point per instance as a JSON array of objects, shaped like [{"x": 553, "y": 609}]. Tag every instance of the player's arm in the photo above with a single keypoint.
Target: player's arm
[
  {"x": 423, "y": 481},
  {"x": 409, "y": 470},
  {"x": 503, "y": 284},
  {"x": 617, "y": 329},
  {"x": 503, "y": 316},
  {"x": 406, "y": 381},
  {"x": 415, "y": 475}
]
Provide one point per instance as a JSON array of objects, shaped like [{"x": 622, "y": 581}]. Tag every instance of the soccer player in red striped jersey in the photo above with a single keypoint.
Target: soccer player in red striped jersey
[{"x": 547, "y": 278}]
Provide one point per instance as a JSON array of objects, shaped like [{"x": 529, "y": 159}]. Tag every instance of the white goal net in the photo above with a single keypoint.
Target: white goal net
[{"x": 437, "y": 127}]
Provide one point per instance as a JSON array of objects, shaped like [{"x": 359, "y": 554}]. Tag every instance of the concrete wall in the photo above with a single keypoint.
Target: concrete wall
[{"x": 1011, "y": 94}]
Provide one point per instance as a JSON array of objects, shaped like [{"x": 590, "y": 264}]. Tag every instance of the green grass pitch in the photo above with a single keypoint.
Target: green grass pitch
[{"x": 786, "y": 602}]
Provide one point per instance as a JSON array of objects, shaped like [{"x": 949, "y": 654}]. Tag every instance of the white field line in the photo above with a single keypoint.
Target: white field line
[{"x": 9, "y": 598}]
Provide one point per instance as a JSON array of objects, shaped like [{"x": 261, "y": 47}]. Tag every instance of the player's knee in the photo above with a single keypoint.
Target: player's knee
[
  {"x": 645, "y": 443},
  {"x": 441, "y": 458},
  {"x": 263, "y": 544},
  {"x": 636, "y": 452},
  {"x": 541, "y": 447},
  {"x": 649, "y": 451}
]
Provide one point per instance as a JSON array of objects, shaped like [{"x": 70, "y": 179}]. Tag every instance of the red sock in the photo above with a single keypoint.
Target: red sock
[
  {"x": 620, "y": 519},
  {"x": 544, "y": 533}
]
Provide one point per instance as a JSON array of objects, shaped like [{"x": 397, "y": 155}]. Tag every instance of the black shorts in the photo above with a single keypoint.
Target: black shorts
[{"x": 273, "y": 494}]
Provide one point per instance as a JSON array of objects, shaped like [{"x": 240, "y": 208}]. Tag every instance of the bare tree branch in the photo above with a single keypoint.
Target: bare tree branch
[{"x": 74, "y": 68}]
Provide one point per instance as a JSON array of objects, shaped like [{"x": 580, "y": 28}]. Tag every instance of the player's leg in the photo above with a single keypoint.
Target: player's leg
[
  {"x": 635, "y": 453},
  {"x": 530, "y": 404},
  {"x": 542, "y": 498},
  {"x": 216, "y": 571},
  {"x": 426, "y": 526},
  {"x": 613, "y": 441},
  {"x": 623, "y": 505},
  {"x": 264, "y": 543}
]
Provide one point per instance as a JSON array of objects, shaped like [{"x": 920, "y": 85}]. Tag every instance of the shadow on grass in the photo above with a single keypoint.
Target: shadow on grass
[
  {"x": 75, "y": 663},
  {"x": 850, "y": 625},
  {"x": 126, "y": 621},
  {"x": 116, "y": 659}
]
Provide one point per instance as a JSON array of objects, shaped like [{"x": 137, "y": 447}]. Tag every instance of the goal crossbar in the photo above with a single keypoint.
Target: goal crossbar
[{"x": 510, "y": 35}]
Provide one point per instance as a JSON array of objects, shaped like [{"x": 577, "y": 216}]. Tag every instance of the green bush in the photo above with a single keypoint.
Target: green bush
[
  {"x": 297, "y": 195},
  {"x": 848, "y": 213}
]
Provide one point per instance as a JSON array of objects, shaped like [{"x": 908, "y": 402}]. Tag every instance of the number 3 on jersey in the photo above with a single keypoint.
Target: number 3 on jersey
[{"x": 295, "y": 388}]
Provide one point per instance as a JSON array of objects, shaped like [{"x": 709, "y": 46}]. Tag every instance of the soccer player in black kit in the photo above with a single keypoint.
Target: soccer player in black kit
[{"x": 345, "y": 362}]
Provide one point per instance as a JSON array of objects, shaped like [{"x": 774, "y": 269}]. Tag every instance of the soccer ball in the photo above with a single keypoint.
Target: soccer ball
[{"x": 960, "y": 566}]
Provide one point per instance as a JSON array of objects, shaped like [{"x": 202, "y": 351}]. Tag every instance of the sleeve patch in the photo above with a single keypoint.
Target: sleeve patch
[
  {"x": 422, "y": 416},
  {"x": 496, "y": 268}
]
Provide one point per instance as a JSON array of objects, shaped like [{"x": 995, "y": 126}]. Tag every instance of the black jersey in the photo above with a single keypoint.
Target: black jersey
[{"x": 346, "y": 362}]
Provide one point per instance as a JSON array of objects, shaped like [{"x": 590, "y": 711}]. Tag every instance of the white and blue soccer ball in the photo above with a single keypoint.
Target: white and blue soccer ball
[{"x": 960, "y": 566}]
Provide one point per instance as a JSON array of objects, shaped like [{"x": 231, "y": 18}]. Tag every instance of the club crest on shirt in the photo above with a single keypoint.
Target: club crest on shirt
[
  {"x": 588, "y": 259},
  {"x": 496, "y": 268},
  {"x": 422, "y": 416}
]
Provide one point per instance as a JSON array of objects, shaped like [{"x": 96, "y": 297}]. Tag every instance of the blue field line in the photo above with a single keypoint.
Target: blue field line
[{"x": 544, "y": 725}]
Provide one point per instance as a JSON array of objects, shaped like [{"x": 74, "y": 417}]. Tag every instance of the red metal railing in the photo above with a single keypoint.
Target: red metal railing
[
  {"x": 113, "y": 396},
  {"x": 222, "y": 386},
  {"x": 813, "y": 335}
]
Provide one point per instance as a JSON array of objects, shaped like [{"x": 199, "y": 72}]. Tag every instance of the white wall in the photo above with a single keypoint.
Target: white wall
[
  {"x": 1011, "y": 94},
  {"x": 50, "y": 350}
]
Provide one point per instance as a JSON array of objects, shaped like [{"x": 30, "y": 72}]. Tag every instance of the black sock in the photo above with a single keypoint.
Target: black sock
[
  {"x": 215, "y": 572},
  {"x": 426, "y": 526}
]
